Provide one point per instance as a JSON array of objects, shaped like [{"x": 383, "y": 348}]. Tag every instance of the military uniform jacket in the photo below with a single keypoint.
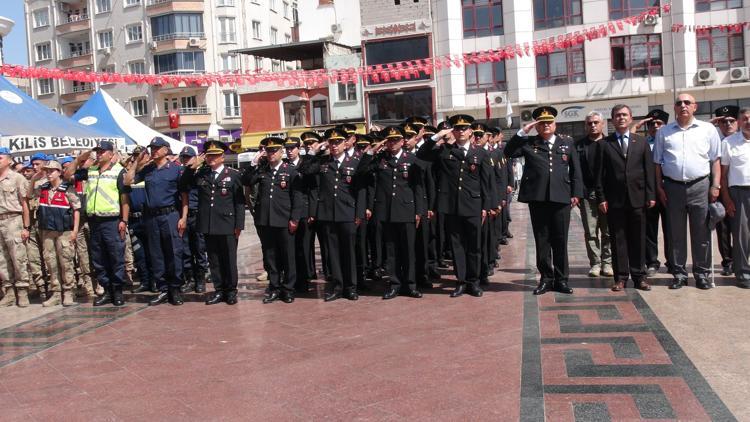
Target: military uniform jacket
[
  {"x": 399, "y": 187},
  {"x": 307, "y": 185},
  {"x": 625, "y": 181},
  {"x": 280, "y": 197},
  {"x": 341, "y": 197},
  {"x": 503, "y": 173},
  {"x": 548, "y": 175},
  {"x": 221, "y": 200},
  {"x": 464, "y": 185}
]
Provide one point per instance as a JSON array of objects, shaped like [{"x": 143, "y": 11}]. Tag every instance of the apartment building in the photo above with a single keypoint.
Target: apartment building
[{"x": 159, "y": 37}]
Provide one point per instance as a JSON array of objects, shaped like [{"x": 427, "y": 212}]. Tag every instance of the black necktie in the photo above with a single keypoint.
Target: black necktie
[{"x": 624, "y": 144}]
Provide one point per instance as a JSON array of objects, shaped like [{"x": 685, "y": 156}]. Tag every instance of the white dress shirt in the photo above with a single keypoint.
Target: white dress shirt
[
  {"x": 686, "y": 154},
  {"x": 735, "y": 153}
]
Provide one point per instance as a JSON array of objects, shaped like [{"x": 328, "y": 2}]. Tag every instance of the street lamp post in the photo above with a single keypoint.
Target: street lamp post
[{"x": 6, "y": 25}]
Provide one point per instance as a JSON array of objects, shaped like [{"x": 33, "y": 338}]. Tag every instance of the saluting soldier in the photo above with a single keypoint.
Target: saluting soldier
[
  {"x": 464, "y": 197},
  {"x": 305, "y": 263},
  {"x": 341, "y": 209},
  {"x": 194, "y": 258},
  {"x": 399, "y": 205},
  {"x": 481, "y": 137},
  {"x": 314, "y": 229},
  {"x": 221, "y": 216},
  {"x": 552, "y": 184},
  {"x": 278, "y": 211}
]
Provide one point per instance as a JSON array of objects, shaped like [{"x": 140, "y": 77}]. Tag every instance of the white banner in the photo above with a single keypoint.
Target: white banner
[
  {"x": 28, "y": 145},
  {"x": 576, "y": 112}
]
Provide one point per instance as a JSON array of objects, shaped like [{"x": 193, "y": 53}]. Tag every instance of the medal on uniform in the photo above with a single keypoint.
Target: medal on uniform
[
  {"x": 473, "y": 167},
  {"x": 282, "y": 184},
  {"x": 565, "y": 157},
  {"x": 223, "y": 191}
]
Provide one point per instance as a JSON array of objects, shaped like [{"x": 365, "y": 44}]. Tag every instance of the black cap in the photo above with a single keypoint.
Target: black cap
[
  {"x": 478, "y": 128},
  {"x": 544, "y": 114},
  {"x": 335, "y": 134},
  {"x": 363, "y": 140},
  {"x": 291, "y": 142},
  {"x": 348, "y": 128},
  {"x": 188, "y": 151},
  {"x": 728, "y": 111},
  {"x": 416, "y": 121},
  {"x": 272, "y": 142},
  {"x": 214, "y": 148},
  {"x": 658, "y": 114},
  {"x": 105, "y": 146},
  {"x": 443, "y": 125},
  {"x": 310, "y": 137},
  {"x": 494, "y": 130},
  {"x": 393, "y": 132},
  {"x": 430, "y": 130},
  {"x": 461, "y": 121},
  {"x": 410, "y": 129}
]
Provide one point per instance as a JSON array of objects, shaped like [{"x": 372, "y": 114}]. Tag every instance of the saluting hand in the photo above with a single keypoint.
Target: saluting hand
[{"x": 528, "y": 127}]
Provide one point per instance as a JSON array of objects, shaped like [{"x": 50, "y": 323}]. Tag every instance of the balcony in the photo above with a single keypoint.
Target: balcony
[
  {"x": 74, "y": 23},
  {"x": 77, "y": 93},
  {"x": 160, "y": 7},
  {"x": 178, "y": 41},
  {"x": 76, "y": 59},
  {"x": 200, "y": 115}
]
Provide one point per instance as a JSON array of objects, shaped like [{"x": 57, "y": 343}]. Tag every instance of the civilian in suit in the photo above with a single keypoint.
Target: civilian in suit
[
  {"x": 625, "y": 189},
  {"x": 552, "y": 184},
  {"x": 221, "y": 216}
]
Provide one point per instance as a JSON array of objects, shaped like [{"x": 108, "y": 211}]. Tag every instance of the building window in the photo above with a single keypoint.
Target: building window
[
  {"x": 482, "y": 18},
  {"x": 258, "y": 63},
  {"x": 483, "y": 77},
  {"x": 81, "y": 86},
  {"x": 108, "y": 69},
  {"x": 137, "y": 68},
  {"x": 295, "y": 113},
  {"x": 139, "y": 107},
  {"x": 43, "y": 51},
  {"x": 103, "y": 6},
  {"x": 77, "y": 49},
  {"x": 394, "y": 106},
  {"x": 134, "y": 33},
  {"x": 272, "y": 5},
  {"x": 256, "y": 30},
  {"x": 105, "y": 39},
  {"x": 182, "y": 62},
  {"x": 720, "y": 49},
  {"x": 287, "y": 38},
  {"x": 231, "y": 104},
  {"x": 636, "y": 55},
  {"x": 225, "y": 2},
  {"x": 177, "y": 26},
  {"x": 226, "y": 30},
  {"x": 132, "y": 2},
  {"x": 274, "y": 35},
  {"x": 275, "y": 66},
  {"x": 41, "y": 18},
  {"x": 347, "y": 91},
  {"x": 398, "y": 50},
  {"x": 45, "y": 86},
  {"x": 556, "y": 13},
  {"x": 229, "y": 63},
  {"x": 707, "y": 5},
  {"x": 619, "y": 9},
  {"x": 286, "y": 9},
  {"x": 320, "y": 113},
  {"x": 561, "y": 68}
]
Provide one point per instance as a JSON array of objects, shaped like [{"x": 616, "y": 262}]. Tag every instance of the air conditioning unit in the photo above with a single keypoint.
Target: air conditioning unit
[
  {"x": 107, "y": 51},
  {"x": 194, "y": 42},
  {"x": 336, "y": 28},
  {"x": 526, "y": 115},
  {"x": 706, "y": 75},
  {"x": 739, "y": 74},
  {"x": 152, "y": 45},
  {"x": 498, "y": 98},
  {"x": 651, "y": 20}
]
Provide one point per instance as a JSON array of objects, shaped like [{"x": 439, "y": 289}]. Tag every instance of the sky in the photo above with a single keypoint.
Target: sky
[{"x": 14, "y": 45}]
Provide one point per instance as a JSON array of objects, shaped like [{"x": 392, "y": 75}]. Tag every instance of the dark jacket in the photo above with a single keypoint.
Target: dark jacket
[
  {"x": 587, "y": 151},
  {"x": 625, "y": 182},
  {"x": 399, "y": 187},
  {"x": 221, "y": 201},
  {"x": 280, "y": 197},
  {"x": 340, "y": 194},
  {"x": 503, "y": 172},
  {"x": 548, "y": 176}
]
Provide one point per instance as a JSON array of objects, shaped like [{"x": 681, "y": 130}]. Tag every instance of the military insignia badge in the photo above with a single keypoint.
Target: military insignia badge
[
  {"x": 223, "y": 191},
  {"x": 473, "y": 167},
  {"x": 283, "y": 184}
]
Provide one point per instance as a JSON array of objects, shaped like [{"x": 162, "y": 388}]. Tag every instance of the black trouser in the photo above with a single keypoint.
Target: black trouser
[
  {"x": 140, "y": 252},
  {"x": 442, "y": 242},
  {"x": 400, "y": 254},
  {"x": 375, "y": 244},
  {"x": 465, "y": 236},
  {"x": 325, "y": 258},
  {"x": 434, "y": 251},
  {"x": 222, "y": 261},
  {"x": 550, "y": 222},
  {"x": 277, "y": 245},
  {"x": 627, "y": 237},
  {"x": 304, "y": 250},
  {"x": 340, "y": 242},
  {"x": 506, "y": 215},
  {"x": 361, "y": 251},
  {"x": 422, "y": 244},
  {"x": 487, "y": 247},
  {"x": 194, "y": 257},
  {"x": 652, "y": 234},
  {"x": 724, "y": 237}
]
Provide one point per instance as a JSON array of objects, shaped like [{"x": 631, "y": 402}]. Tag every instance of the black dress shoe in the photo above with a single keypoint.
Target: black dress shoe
[
  {"x": 104, "y": 299},
  {"x": 200, "y": 286},
  {"x": 187, "y": 287},
  {"x": 287, "y": 297},
  {"x": 270, "y": 297},
  {"x": 162, "y": 297},
  {"x": 351, "y": 295},
  {"x": 726, "y": 271},
  {"x": 390, "y": 293},
  {"x": 216, "y": 297},
  {"x": 231, "y": 297},
  {"x": 330, "y": 297},
  {"x": 475, "y": 291},
  {"x": 484, "y": 282},
  {"x": 543, "y": 287},
  {"x": 117, "y": 298},
  {"x": 743, "y": 284},
  {"x": 144, "y": 287},
  {"x": 702, "y": 284},
  {"x": 416, "y": 294},
  {"x": 153, "y": 287},
  {"x": 562, "y": 287},
  {"x": 459, "y": 290},
  {"x": 434, "y": 274},
  {"x": 651, "y": 270},
  {"x": 175, "y": 297},
  {"x": 677, "y": 283}
]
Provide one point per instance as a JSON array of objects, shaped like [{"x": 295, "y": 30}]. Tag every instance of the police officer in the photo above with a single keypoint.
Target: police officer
[
  {"x": 14, "y": 231},
  {"x": 341, "y": 209},
  {"x": 107, "y": 211},
  {"x": 279, "y": 209},
  {"x": 194, "y": 259},
  {"x": 221, "y": 216},
  {"x": 552, "y": 184},
  {"x": 399, "y": 205},
  {"x": 163, "y": 213},
  {"x": 138, "y": 232},
  {"x": 464, "y": 197}
]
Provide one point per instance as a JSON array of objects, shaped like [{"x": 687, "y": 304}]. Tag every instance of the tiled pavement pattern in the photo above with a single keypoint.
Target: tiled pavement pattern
[{"x": 593, "y": 356}]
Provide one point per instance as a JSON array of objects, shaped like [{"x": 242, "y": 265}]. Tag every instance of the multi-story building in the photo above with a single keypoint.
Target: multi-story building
[{"x": 161, "y": 37}]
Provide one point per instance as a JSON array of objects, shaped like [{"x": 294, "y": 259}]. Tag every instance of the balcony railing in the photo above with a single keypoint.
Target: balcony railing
[
  {"x": 77, "y": 18},
  {"x": 179, "y": 36},
  {"x": 74, "y": 54},
  {"x": 182, "y": 72},
  {"x": 82, "y": 88},
  {"x": 194, "y": 110}
]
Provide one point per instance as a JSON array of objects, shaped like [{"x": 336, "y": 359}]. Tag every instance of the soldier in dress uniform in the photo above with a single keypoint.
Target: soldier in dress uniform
[
  {"x": 194, "y": 257},
  {"x": 398, "y": 206},
  {"x": 552, "y": 184},
  {"x": 303, "y": 237},
  {"x": 221, "y": 216},
  {"x": 481, "y": 139},
  {"x": 341, "y": 209},
  {"x": 316, "y": 230},
  {"x": 464, "y": 197}
]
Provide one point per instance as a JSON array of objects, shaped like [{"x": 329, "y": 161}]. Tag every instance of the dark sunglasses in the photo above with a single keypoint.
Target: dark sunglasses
[{"x": 679, "y": 103}]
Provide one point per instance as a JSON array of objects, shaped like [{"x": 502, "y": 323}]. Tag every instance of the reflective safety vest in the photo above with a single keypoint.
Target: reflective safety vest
[{"x": 102, "y": 196}]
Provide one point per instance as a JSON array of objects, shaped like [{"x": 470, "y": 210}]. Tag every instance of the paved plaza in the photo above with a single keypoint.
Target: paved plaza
[{"x": 593, "y": 356}]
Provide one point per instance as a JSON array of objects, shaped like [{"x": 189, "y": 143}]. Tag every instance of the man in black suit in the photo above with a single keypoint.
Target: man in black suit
[
  {"x": 279, "y": 208},
  {"x": 341, "y": 209},
  {"x": 221, "y": 216},
  {"x": 315, "y": 229},
  {"x": 464, "y": 197},
  {"x": 398, "y": 206},
  {"x": 303, "y": 237},
  {"x": 625, "y": 189},
  {"x": 552, "y": 184}
]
